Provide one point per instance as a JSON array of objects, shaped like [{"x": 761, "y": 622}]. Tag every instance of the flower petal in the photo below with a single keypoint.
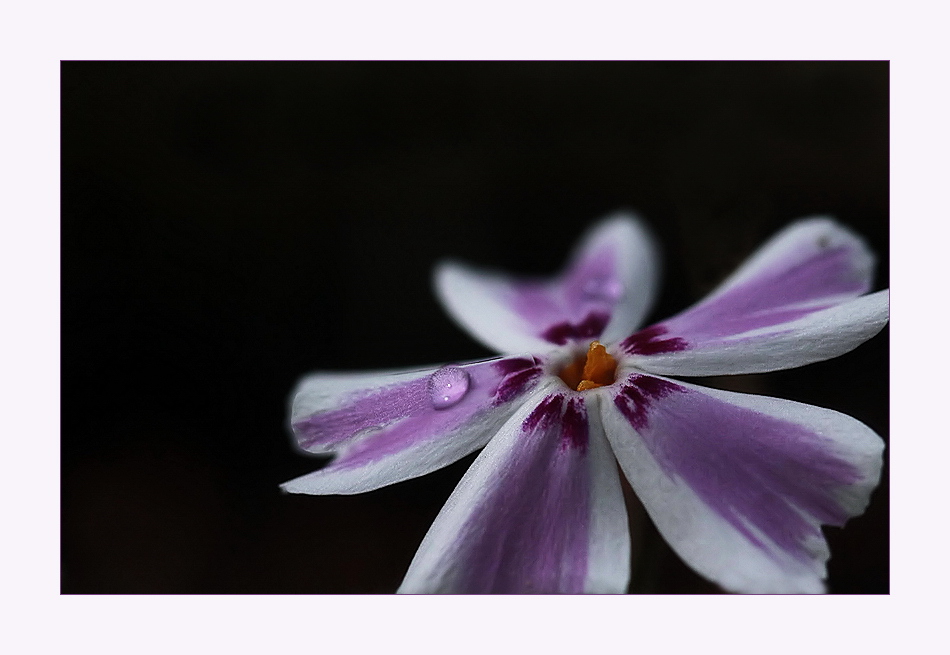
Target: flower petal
[
  {"x": 539, "y": 511},
  {"x": 794, "y": 302},
  {"x": 605, "y": 292},
  {"x": 737, "y": 484},
  {"x": 391, "y": 426},
  {"x": 813, "y": 338}
]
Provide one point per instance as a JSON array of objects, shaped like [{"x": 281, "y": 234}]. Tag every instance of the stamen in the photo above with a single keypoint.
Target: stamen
[{"x": 596, "y": 369}]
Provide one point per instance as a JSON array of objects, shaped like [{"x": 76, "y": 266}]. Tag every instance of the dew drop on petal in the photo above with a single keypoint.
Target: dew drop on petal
[
  {"x": 448, "y": 386},
  {"x": 603, "y": 288}
]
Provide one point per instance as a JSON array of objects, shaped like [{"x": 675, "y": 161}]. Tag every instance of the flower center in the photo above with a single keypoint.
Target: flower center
[{"x": 595, "y": 369}]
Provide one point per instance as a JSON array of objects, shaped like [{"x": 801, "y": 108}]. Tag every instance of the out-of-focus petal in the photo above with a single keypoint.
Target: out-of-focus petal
[
  {"x": 539, "y": 511},
  {"x": 605, "y": 293},
  {"x": 738, "y": 485},
  {"x": 391, "y": 426},
  {"x": 796, "y": 301}
]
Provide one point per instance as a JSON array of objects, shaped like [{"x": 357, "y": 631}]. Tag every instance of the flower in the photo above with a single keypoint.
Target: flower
[{"x": 738, "y": 484}]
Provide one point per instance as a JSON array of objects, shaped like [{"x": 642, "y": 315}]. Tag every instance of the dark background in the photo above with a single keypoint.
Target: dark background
[{"x": 228, "y": 227}]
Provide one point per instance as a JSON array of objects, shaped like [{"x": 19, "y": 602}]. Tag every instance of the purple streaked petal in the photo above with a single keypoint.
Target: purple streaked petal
[
  {"x": 605, "y": 292},
  {"x": 575, "y": 432},
  {"x": 393, "y": 426},
  {"x": 539, "y": 511},
  {"x": 519, "y": 375},
  {"x": 652, "y": 341},
  {"x": 796, "y": 301},
  {"x": 814, "y": 338},
  {"x": 589, "y": 328},
  {"x": 739, "y": 485}
]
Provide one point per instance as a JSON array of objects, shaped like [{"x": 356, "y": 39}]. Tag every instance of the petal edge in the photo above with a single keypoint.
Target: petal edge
[
  {"x": 738, "y": 485},
  {"x": 604, "y": 292}
]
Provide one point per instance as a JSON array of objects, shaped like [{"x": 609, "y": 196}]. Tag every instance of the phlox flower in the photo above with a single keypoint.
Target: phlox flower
[{"x": 738, "y": 484}]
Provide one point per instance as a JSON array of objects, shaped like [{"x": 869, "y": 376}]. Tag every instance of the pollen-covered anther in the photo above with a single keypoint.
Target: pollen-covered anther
[{"x": 593, "y": 370}]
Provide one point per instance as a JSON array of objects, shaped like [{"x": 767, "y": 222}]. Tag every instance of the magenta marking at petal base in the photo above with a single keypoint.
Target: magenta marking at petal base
[
  {"x": 648, "y": 342},
  {"x": 751, "y": 468},
  {"x": 575, "y": 433},
  {"x": 591, "y": 285},
  {"x": 520, "y": 374},
  {"x": 545, "y": 414},
  {"x": 638, "y": 393},
  {"x": 512, "y": 365},
  {"x": 530, "y": 532},
  {"x": 590, "y": 328}
]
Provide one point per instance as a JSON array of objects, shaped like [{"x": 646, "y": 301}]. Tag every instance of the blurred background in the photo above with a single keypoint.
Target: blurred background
[{"x": 228, "y": 227}]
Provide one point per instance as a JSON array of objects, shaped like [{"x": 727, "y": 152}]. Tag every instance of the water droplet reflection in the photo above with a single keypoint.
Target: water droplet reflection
[{"x": 448, "y": 386}]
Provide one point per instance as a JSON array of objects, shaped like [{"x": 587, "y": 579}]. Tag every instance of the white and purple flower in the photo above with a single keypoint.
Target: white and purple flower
[{"x": 739, "y": 485}]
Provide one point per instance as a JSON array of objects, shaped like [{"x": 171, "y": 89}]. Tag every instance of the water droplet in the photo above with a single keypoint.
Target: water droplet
[
  {"x": 603, "y": 288},
  {"x": 448, "y": 386}
]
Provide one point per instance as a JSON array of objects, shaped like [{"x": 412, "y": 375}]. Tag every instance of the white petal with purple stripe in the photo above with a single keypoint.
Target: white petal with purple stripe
[
  {"x": 605, "y": 293},
  {"x": 796, "y": 301},
  {"x": 739, "y": 485},
  {"x": 817, "y": 259},
  {"x": 539, "y": 511},
  {"x": 815, "y": 337},
  {"x": 392, "y": 426}
]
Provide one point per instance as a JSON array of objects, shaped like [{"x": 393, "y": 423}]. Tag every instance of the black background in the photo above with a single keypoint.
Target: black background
[{"x": 228, "y": 227}]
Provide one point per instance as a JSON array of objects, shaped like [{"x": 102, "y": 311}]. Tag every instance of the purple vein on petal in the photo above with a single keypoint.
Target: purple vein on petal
[
  {"x": 648, "y": 342},
  {"x": 579, "y": 304},
  {"x": 544, "y": 415},
  {"x": 751, "y": 468},
  {"x": 519, "y": 374},
  {"x": 529, "y": 533},
  {"x": 638, "y": 393},
  {"x": 590, "y": 327},
  {"x": 789, "y": 290},
  {"x": 374, "y": 409},
  {"x": 373, "y": 424},
  {"x": 575, "y": 434}
]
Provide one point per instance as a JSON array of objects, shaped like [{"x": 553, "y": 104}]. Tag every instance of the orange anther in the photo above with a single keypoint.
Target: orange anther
[
  {"x": 600, "y": 366},
  {"x": 597, "y": 369}
]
